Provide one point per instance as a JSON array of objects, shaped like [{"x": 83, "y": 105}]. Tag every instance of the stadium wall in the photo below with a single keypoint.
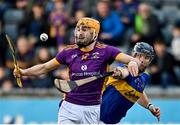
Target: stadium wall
[{"x": 44, "y": 110}]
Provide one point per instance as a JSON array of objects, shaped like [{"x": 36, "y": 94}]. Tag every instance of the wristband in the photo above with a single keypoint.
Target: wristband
[{"x": 149, "y": 105}]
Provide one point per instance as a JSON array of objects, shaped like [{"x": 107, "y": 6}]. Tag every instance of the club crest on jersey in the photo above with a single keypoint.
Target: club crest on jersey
[
  {"x": 139, "y": 83},
  {"x": 74, "y": 56},
  {"x": 84, "y": 57},
  {"x": 95, "y": 55},
  {"x": 83, "y": 67}
]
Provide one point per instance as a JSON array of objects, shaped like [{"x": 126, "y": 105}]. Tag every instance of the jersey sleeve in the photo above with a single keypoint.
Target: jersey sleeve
[
  {"x": 145, "y": 78},
  {"x": 111, "y": 53},
  {"x": 61, "y": 57}
]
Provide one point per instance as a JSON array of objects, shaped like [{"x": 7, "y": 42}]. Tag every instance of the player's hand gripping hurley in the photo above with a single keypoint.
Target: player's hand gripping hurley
[
  {"x": 13, "y": 53},
  {"x": 67, "y": 86}
]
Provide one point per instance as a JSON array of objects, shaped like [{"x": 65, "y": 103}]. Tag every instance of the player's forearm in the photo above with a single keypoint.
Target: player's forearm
[
  {"x": 35, "y": 70},
  {"x": 124, "y": 58},
  {"x": 143, "y": 100},
  {"x": 40, "y": 69}
]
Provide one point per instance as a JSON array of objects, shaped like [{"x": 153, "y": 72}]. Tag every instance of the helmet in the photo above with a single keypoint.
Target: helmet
[
  {"x": 144, "y": 48},
  {"x": 90, "y": 22}
]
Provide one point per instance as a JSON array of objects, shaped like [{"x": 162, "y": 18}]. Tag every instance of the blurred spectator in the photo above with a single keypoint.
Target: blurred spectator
[
  {"x": 46, "y": 80},
  {"x": 22, "y": 7},
  {"x": 49, "y": 6},
  {"x": 85, "y": 5},
  {"x": 2, "y": 74},
  {"x": 22, "y": 4},
  {"x": 78, "y": 15},
  {"x": 176, "y": 41},
  {"x": 5, "y": 80},
  {"x": 7, "y": 85},
  {"x": 176, "y": 46},
  {"x": 15, "y": 19},
  {"x": 37, "y": 22},
  {"x": 147, "y": 25},
  {"x": 43, "y": 55},
  {"x": 3, "y": 7},
  {"x": 58, "y": 22},
  {"x": 24, "y": 55},
  {"x": 72, "y": 23},
  {"x": 162, "y": 67},
  {"x": 3, "y": 48},
  {"x": 127, "y": 10},
  {"x": 111, "y": 27}
]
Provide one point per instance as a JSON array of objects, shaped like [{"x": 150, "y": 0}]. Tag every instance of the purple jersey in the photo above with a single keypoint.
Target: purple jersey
[{"x": 86, "y": 64}]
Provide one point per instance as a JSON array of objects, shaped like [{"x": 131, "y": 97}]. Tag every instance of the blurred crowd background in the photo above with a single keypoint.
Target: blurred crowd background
[{"x": 123, "y": 23}]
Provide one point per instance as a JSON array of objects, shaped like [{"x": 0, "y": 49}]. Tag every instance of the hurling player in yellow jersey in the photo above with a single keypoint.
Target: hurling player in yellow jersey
[{"x": 123, "y": 89}]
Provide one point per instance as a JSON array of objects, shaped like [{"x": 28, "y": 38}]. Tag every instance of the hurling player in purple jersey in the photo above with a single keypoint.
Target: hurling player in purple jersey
[{"x": 86, "y": 58}]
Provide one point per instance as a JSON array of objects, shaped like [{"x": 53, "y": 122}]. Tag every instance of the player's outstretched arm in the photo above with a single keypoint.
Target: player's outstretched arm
[
  {"x": 144, "y": 102},
  {"x": 133, "y": 63},
  {"x": 37, "y": 69}
]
